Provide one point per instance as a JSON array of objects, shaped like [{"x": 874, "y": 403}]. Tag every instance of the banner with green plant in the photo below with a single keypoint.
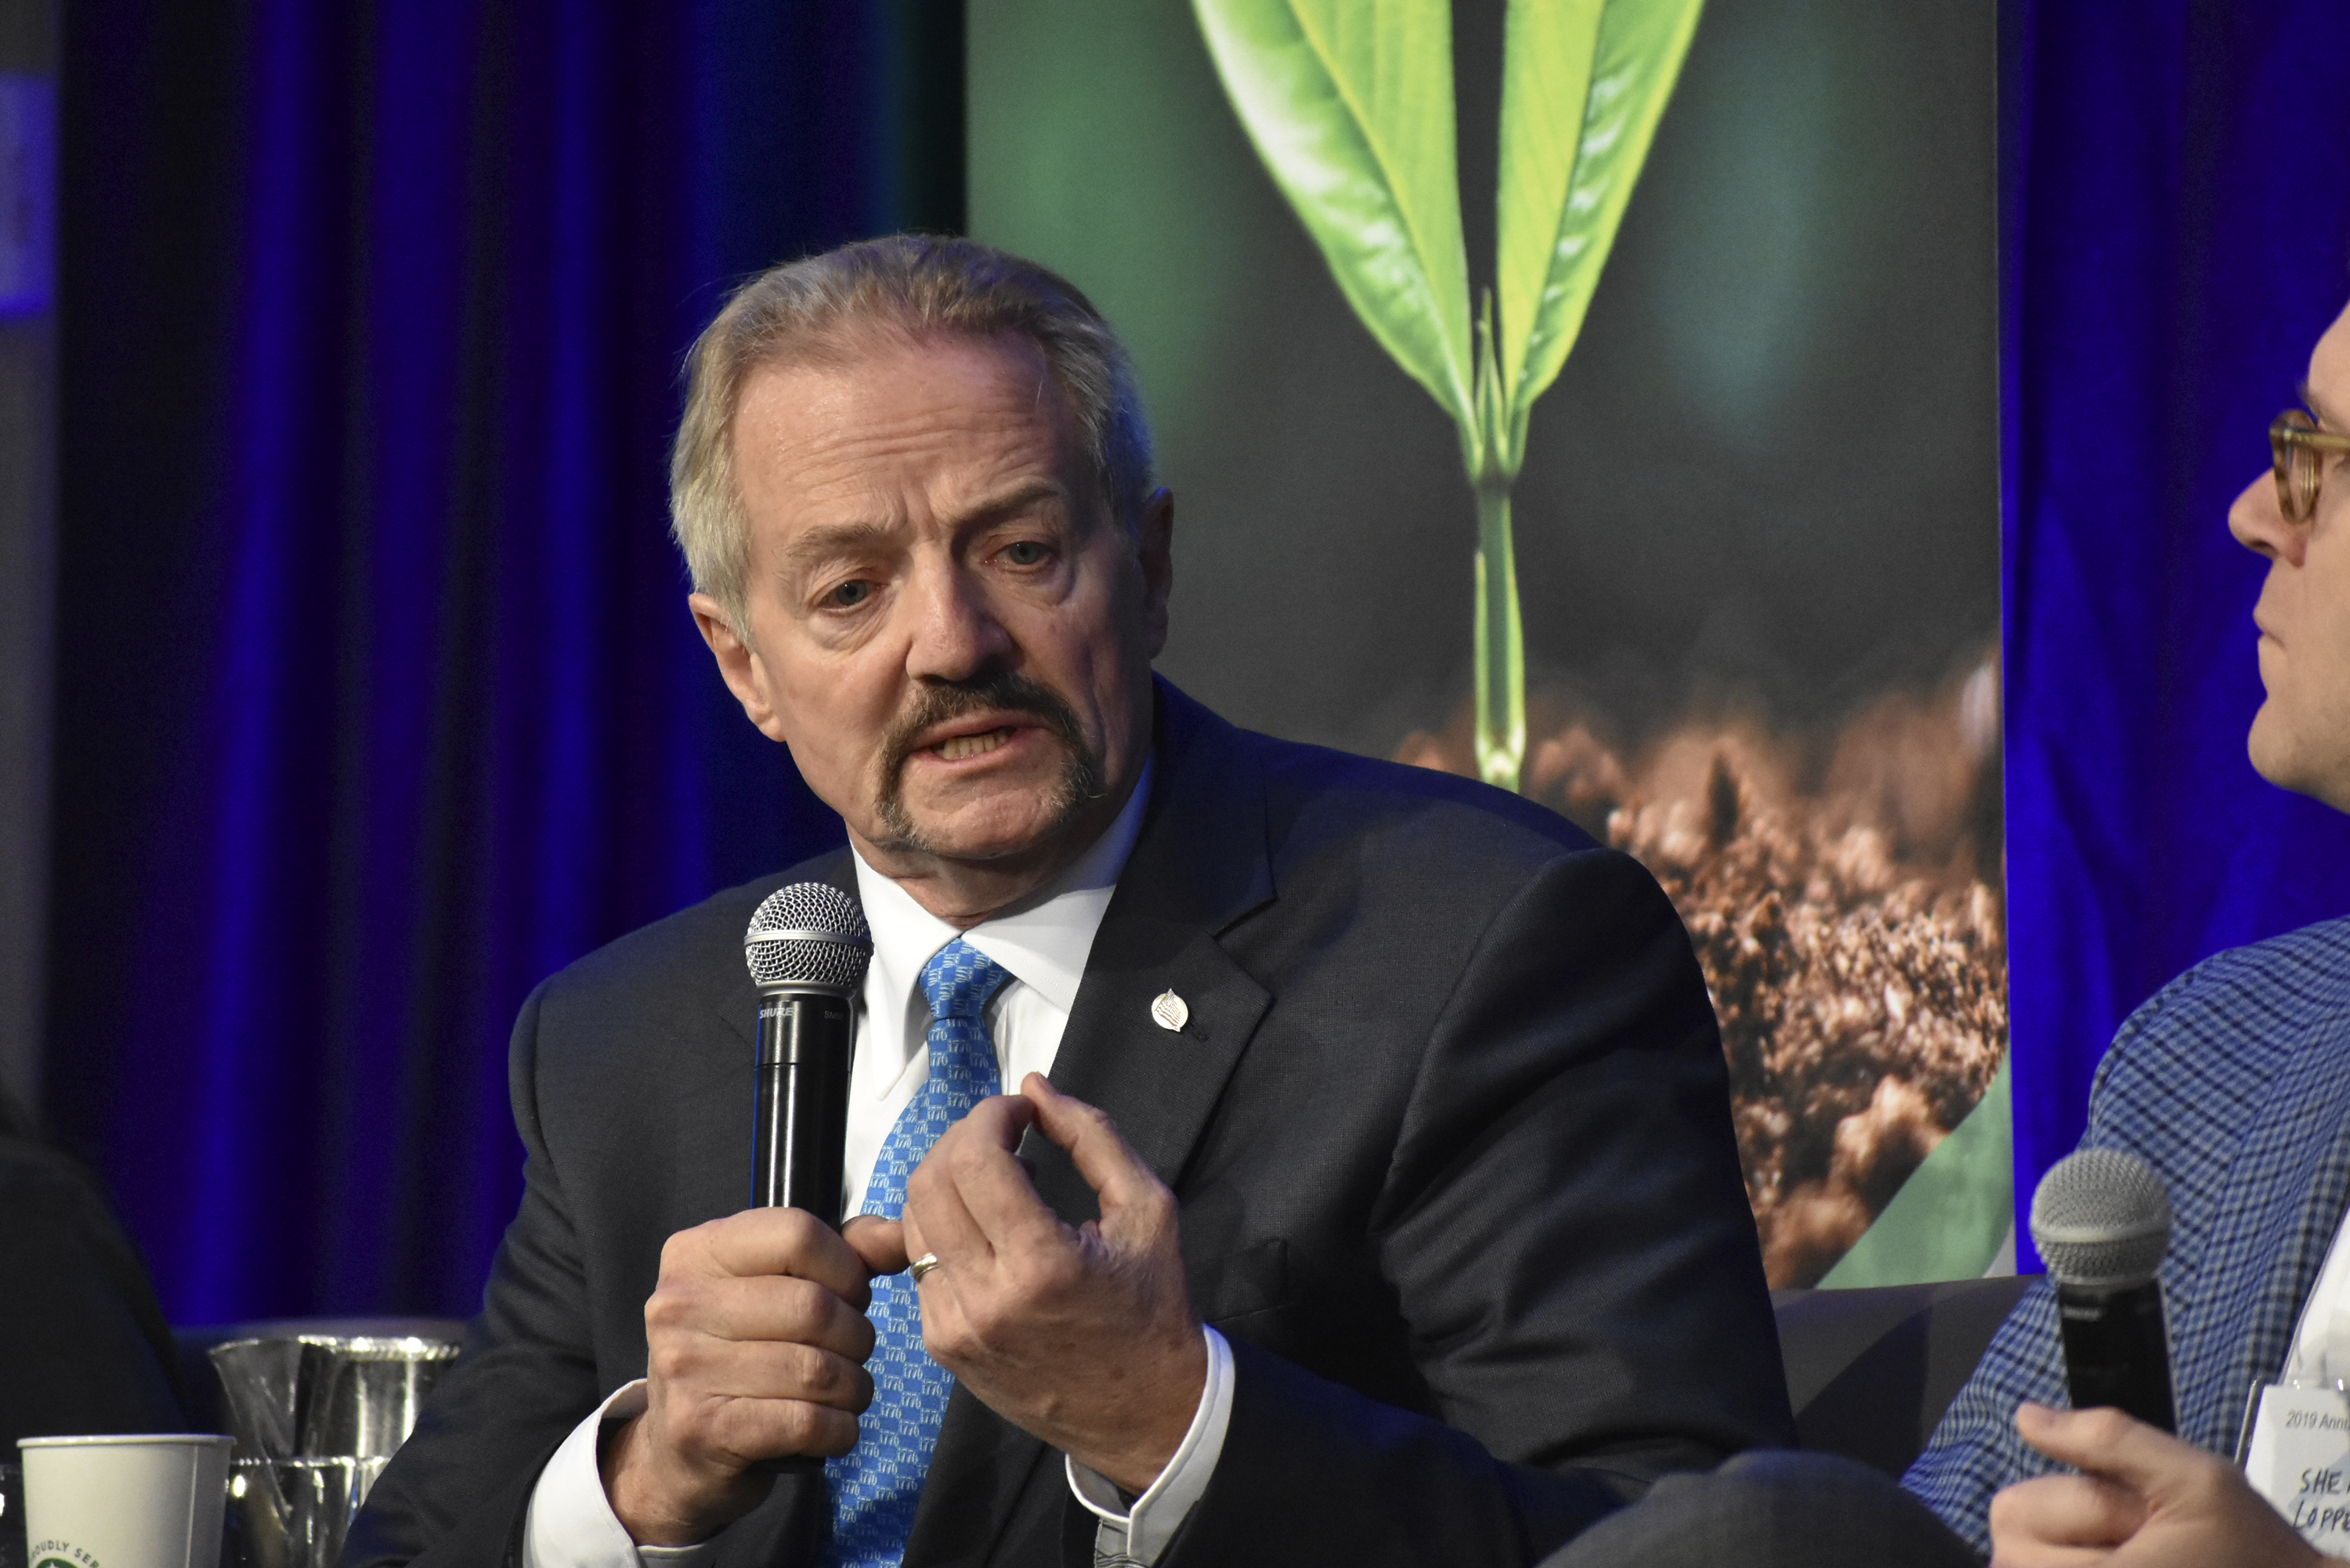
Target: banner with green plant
[
  {"x": 1350, "y": 105},
  {"x": 1758, "y": 656}
]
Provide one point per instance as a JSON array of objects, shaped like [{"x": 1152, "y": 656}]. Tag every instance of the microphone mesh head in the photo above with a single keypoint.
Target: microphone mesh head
[
  {"x": 810, "y": 933},
  {"x": 2101, "y": 1220}
]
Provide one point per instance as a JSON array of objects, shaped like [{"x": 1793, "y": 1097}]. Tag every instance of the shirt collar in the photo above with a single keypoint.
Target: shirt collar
[{"x": 1043, "y": 943}]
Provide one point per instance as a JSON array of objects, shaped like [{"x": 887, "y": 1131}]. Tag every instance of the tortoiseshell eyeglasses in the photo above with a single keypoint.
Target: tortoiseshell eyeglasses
[{"x": 2298, "y": 449}]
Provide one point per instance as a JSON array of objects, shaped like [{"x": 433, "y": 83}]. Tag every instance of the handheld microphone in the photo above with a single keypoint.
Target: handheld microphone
[
  {"x": 807, "y": 948},
  {"x": 2102, "y": 1223}
]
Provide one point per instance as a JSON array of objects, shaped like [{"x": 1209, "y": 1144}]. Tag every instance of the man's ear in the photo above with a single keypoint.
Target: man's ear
[
  {"x": 738, "y": 664},
  {"x": 1154, "y": 548}
]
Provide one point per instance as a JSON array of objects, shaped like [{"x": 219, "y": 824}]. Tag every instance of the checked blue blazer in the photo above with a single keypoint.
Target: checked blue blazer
[{"x": 2234, "y": 1084}]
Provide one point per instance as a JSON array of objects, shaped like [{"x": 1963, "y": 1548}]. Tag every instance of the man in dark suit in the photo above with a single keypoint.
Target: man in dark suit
[{"x": 1369, "y": 1193}]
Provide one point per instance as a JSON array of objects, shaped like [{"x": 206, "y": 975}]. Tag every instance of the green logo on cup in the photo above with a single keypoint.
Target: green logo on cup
[{"x": 56, "y": 1563}]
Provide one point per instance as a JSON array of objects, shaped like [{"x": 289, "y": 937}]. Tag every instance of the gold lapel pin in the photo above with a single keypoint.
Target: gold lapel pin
[{"x": 1170, "y": 1011}]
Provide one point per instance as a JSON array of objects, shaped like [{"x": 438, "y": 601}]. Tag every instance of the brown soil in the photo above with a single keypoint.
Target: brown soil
[{"x": 1840, "y": 890}]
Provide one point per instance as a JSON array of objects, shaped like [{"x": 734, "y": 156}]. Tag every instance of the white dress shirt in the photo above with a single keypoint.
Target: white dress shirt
[
  {"x": 1043, "y": 944},
  {"x": 2321, "y": 1341}
]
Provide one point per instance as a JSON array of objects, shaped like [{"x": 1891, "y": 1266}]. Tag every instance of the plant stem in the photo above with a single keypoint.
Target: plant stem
[{"x": 1501, "y": 652}]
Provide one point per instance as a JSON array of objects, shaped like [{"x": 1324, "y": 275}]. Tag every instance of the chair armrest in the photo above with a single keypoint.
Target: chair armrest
[{"x": 1869, "y": 1372}]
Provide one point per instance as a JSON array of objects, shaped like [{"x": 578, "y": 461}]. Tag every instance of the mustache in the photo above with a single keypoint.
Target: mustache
[{"x": 1000, "y": 690}]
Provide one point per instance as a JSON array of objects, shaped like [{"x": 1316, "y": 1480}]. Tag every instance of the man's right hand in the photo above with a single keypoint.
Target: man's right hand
[
  {"x": 757, "y": 1339},
  {"x": 2143, "y": 1500}
]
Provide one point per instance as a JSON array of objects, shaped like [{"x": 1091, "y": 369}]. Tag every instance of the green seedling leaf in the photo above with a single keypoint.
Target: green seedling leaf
[
  {"x": 1584, "y": 83},
  {"x": 1349, "y": 103}
]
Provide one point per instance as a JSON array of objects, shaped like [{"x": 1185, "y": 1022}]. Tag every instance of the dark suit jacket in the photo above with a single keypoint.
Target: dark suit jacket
[
  {"x": 1449, "y": 1129},
  {"x": 83, "y": 1347}
]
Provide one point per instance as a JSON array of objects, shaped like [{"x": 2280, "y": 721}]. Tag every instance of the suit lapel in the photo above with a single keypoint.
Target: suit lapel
[{"x": 1199, "y": 865}]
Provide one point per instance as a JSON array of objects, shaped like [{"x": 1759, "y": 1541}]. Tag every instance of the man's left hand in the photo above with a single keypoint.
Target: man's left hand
[
  {"x": 2144, "y": 1499},
  {"x": 1083, "y": 1336}
]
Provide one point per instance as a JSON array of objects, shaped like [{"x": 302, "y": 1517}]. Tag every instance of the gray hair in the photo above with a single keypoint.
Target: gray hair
[{"x": 914, "y": 285}]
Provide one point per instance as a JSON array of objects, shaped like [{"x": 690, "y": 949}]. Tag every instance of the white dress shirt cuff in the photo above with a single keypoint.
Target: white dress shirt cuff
[
  {"x": 571, "y": 1523},
  {"x": 1141, "y": 1531}
]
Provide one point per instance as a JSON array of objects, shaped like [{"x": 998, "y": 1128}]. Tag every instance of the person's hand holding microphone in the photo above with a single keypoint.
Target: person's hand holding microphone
[{"x": 757, "y": 1331}]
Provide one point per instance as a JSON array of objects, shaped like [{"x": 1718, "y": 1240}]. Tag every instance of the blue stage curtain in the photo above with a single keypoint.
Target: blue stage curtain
[
  {"x": 378, "y": 700},
  {"x": 2177, "y": 234}
]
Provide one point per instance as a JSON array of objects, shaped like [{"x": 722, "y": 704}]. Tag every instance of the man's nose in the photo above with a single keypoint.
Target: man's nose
[
  {"x": 2259, "y": 524},
  {"x": 956, "y": 632}
]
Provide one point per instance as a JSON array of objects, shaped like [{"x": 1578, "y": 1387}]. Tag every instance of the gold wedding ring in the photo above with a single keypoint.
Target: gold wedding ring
[{"x": 920, "y": 1266}]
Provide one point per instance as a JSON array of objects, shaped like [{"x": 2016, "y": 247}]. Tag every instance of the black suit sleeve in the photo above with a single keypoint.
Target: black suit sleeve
[
  {"x": 1565, "y": 1230},
  {"x": 456, "y": 1492},
  {"x": 87, "y": 1347}
]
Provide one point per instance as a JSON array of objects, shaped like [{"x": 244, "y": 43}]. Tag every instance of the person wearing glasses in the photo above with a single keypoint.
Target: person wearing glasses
[{"x": 2234, "y": 1084}]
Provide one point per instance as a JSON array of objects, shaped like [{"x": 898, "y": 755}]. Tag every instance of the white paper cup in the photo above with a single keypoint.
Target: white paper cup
[{"x": 135, "y": 1501}]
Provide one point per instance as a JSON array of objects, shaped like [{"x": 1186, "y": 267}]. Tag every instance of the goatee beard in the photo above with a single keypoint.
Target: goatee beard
[{"x": 1003, "y": 691}]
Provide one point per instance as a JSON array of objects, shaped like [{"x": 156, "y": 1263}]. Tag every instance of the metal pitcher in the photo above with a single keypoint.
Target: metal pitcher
[{"x": 316, "y": 1418}]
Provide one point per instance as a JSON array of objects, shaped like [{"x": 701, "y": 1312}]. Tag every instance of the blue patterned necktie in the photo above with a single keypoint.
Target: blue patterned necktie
[{"x": 876, "y": 1484}]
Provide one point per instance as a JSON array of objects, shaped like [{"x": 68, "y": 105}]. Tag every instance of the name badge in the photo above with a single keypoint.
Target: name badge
[{"x": 2299, "y": 1458}]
